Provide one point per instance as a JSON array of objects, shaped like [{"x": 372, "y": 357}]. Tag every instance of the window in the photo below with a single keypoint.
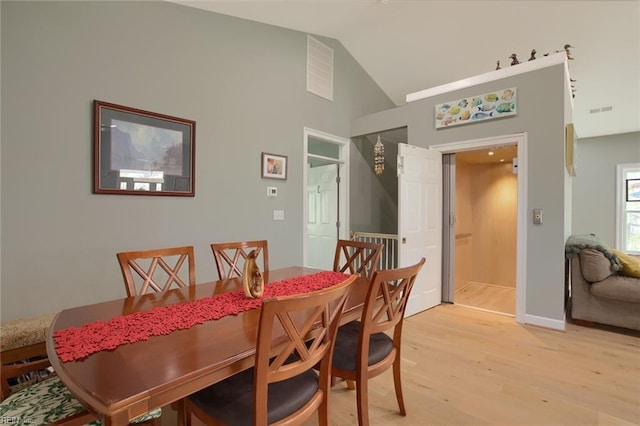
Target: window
[{"x": 628, "y": 217}]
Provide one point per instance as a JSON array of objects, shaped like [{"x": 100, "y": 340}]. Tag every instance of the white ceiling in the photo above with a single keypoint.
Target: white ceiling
[{"x": 410, "y": 45}]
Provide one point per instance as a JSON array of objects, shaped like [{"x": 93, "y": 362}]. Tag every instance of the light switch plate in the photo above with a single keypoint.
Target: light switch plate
[
  {"x": 537, "y": 216},
  {"x": 272, "y": 191}
]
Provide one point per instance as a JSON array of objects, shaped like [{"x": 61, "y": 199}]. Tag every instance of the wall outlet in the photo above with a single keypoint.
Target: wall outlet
[{"x": 272, "y": 191}]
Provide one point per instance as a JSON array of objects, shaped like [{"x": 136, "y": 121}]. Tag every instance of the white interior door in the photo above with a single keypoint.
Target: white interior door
[
  {"x": 420, "y": 222},
  {"x": 322, "y": 217}
]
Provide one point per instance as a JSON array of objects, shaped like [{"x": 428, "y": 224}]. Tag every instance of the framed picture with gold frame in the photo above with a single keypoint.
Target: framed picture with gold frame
[{"x": 571, "y": 148}]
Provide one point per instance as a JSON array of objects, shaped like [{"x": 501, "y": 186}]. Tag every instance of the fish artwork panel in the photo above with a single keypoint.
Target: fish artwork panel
[
  {"x": 490, "y": 97},
  {"x": 449, "y": 120},
  {"x": 481, "y": 115},
  {"x": 506, "y": 107},
  {"x": 487, "y": 106}
]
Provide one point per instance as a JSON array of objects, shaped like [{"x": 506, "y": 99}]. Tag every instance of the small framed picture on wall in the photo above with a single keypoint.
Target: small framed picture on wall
[{"x": 274, "y": 166}]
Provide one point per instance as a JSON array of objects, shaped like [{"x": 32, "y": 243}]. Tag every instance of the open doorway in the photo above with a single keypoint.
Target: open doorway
[
  {"x": 518, "y": 140},
  {"x": 325, "y": 210},
  {"x": 322, "y": 217},
  {"x": 486, "y": 190}
]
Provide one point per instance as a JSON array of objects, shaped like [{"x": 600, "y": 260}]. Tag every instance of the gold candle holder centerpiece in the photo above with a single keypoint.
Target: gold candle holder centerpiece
[{"x": 252, "y": 279}]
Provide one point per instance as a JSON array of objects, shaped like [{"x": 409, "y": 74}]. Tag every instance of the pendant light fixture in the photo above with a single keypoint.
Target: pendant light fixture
[{"x": 378, "y": 157}]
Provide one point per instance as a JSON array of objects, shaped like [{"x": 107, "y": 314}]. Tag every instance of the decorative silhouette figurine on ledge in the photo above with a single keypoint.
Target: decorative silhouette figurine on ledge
[
  {"x": 566, "y": 49},
  {"x": 533, "y": 55},
  {"x": 514, "y": 59}
]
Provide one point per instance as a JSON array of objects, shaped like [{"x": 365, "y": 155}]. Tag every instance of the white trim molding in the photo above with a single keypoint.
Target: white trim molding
[
  {"x": 519, "y": 139},
  {"x": 539, "y": 63},
  {"x": 545, "y": 322},
  {"x": 344, "y": 145}
]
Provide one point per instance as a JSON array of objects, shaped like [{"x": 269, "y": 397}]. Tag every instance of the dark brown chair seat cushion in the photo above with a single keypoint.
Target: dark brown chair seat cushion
[
  {"x": 346, "y": 349},
  {"x": 231, "y": 401}
]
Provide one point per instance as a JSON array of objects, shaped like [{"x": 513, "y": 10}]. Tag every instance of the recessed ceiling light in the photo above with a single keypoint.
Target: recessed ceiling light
[
  {"x": 502, "y": 160},
  {"x": 490, "y": 153}
]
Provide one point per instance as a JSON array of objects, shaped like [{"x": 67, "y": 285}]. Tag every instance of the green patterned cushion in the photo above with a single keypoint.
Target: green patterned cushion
[
  {"x": 153, "y": 414},
  {"x": 49, "y": 401},
  {"x": 41, "y": 403}
]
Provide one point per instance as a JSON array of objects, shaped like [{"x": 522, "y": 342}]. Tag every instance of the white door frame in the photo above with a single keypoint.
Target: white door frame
[
  {"x": 343, "y": 165},
  {"x": 519, "y": 139}
]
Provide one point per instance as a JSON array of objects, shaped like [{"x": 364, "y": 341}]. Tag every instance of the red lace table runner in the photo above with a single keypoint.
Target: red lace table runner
[{"x": 75, "y": 343}]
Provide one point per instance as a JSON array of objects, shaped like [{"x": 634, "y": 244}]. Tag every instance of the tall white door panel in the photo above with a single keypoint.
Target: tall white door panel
[
  {"x": 322, "y": 202},
  {"x": 420, "y": 222}
]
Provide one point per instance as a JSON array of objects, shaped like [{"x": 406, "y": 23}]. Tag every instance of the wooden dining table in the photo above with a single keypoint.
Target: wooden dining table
[{"x": 121, "y": 384}]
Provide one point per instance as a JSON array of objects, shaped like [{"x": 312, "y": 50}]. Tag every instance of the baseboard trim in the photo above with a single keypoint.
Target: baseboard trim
[{"x": 545, "y": 322}]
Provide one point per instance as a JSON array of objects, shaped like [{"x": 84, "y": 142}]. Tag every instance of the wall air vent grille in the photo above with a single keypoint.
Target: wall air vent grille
[
  {"x": 603, "y": 109},
  {"x": 319, "y": 68}
]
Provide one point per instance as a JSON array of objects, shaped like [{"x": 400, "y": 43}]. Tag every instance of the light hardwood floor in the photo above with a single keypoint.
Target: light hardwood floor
[
  {"x": 467, "y": 367},
  {"x": 487, "y": 296}
]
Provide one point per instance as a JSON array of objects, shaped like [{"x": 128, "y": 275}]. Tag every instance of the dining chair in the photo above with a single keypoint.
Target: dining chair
[
  {"x": 37, "y": 396},
  {"x": 357, "y": 257},
  {"x": 283, "y": 387},
  {"x": 149, "y": 278},
  {"x": 230, "y": 257},
  {"x": 141, "y": 273},
  {"x": 363, "y": 350}
]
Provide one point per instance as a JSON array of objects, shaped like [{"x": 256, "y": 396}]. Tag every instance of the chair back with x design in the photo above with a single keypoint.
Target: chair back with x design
[
  {"x": 299, "y": 354},
  {"x": 230, "y": 257},
  {"x": 357, "y": 257},
  {"x": 295, "y": 336},
  {"x": 387, "y": 298},
  {"x": 156, "y": 270},
  {"x": 365, "y": 349}
]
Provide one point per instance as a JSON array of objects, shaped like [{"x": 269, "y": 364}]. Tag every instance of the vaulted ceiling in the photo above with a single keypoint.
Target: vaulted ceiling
[{"x": 408, "y": 45}]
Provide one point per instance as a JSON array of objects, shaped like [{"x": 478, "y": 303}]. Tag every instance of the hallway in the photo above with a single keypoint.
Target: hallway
[{"x": 494, "y": 298}]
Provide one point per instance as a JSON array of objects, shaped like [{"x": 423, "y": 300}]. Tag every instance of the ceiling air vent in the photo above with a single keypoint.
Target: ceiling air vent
[
  {"x": 319, "y": 68},
  {"x": 603, "y": 109}
]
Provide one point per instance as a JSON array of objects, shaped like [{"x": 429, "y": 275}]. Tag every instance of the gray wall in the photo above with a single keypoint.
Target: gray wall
[
  {"x": 374, "y": 198},
  {"x": 594, "y": 186},
  {"x": 0, "y": 155},
  {"x": 241, "y": 81},
  {"x": 541, "y": 114}
]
